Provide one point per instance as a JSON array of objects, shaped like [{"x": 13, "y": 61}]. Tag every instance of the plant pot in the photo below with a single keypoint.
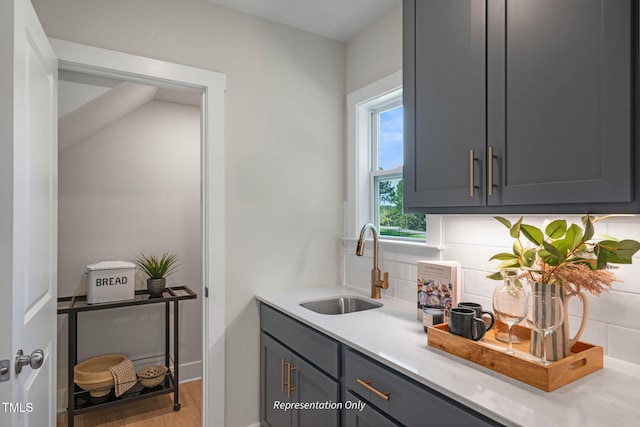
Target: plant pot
[
  {"x": 155, "y": 287},
  {"x": 558, "y": 343}
]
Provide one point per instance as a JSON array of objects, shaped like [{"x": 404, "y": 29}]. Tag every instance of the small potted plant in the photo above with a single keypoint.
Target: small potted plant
[
  {"x": 564, "y": 259},
  {"x": 157, "y": 268}
]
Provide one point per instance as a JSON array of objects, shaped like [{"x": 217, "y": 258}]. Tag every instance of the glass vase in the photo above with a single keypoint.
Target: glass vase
[{"x": 509, "y": 277}]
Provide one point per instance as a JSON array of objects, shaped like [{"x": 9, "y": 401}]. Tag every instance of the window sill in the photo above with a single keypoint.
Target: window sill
[{"x": 397, "y": 243}]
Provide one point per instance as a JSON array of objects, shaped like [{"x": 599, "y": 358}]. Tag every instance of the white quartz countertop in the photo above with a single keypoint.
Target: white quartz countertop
[{"x": 392, "y": 335}]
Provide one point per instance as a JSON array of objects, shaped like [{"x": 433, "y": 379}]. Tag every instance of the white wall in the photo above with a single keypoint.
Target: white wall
[
  {"x": 376, "y": 52},
  {"x": 472, "y": 239},
  {"x": 284, "y": 131},
  {"x": 133, "y": 187}
]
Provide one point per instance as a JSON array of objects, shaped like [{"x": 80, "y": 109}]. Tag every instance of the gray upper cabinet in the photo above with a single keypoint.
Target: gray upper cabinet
[
  {"x": 541, "y": 91},
  {"x": 444, "y": 99}
]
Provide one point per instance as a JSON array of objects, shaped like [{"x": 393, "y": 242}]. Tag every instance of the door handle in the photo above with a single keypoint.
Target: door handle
[
  {"x": 472, "y": 185},
  {"x": 35, "y": 360},
  {"x": 5, "y": 372},
  {"x": 282, "y": 375},
  {"x": 490, "y": 158}
]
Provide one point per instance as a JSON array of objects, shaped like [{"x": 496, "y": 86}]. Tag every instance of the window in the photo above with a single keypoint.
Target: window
[
  {"x": 386, "y": 135},
  {"x": 375, "y": 163}
]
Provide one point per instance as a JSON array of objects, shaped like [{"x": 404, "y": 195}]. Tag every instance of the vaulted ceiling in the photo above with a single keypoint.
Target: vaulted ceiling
[{"x": 87, "y": 103}]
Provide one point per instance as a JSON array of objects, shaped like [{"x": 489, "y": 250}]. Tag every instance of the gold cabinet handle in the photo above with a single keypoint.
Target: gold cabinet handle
[
  {"x": 472, "y": 185},
  {"x": 368, "y": 386},
  {"x": 490, "y": 158},
  {"x": 282, "y": 375},
  {"x": 289, "y": 388}
]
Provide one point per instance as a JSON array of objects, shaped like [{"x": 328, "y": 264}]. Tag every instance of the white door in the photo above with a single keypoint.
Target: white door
[{"x": 28, "y": 209}]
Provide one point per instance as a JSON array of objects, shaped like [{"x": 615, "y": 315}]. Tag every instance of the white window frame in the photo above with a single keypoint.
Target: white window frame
[{"x": 360, "y": 186}]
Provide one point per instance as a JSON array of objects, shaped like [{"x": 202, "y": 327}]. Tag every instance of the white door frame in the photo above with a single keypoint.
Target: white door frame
[{"x": 212, "y": 85}]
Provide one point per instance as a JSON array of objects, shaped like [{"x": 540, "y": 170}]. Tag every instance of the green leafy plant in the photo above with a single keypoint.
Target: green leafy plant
[
  {"x": 569, "y": 255},
  {"x": 158, "y": 267}
]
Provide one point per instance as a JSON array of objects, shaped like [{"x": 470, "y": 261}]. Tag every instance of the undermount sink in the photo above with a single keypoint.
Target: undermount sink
[{"x": 340, "y": 305}]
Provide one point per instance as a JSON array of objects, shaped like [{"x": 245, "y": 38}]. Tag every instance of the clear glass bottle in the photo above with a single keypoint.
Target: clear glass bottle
[{"x": 509, "y": 276}]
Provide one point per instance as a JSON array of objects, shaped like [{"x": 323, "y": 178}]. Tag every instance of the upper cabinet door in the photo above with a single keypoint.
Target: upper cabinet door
[
  {"x": 559, "y": 99},
  {"x": 444, "y": 99}
]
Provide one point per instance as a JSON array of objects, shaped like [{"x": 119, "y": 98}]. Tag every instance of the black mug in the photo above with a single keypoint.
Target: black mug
[
  {"x": 479, "y": 313},
  {"x": 463, "y": 322}
]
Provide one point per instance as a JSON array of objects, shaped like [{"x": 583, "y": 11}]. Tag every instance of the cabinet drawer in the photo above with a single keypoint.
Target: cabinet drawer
[
  {"x": 367, "y": 417},
  {"x": 408, "y": 402},
  {"x": 317, "y": 348}
]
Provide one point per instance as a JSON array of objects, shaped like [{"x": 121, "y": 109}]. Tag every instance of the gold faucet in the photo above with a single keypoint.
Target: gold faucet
[{"x": 376, "y": 283}]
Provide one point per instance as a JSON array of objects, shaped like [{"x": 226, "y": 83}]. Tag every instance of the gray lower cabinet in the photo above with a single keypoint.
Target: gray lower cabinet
[
  {"x": 402, "y": 399},
  {"x": 367, "y": 417},
  {"x": 520, "y": 106},
  {"x": 298, "y": 366}
]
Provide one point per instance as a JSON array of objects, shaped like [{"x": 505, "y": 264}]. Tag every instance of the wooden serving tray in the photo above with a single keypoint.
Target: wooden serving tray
[{"x": 584, "y": 359}]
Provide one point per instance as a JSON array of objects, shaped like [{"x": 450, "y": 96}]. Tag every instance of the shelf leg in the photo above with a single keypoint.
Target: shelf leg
[
  {"x": 166, "y": 334},
  {"x": 73, "y": 360},
  {"x": 176, "y": 357}
]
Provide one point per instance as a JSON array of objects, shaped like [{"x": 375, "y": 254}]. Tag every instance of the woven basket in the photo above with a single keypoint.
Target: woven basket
[
  {"x": 93, "y": 374},
  {"x": 152, "y": 376}
]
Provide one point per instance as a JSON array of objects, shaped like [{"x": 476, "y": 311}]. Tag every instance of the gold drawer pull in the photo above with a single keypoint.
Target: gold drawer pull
[
  {"x": 368, "y": 386},
  {"x": 282, "y": 375},
  {"x": 289, "y": 388},
  {"x": 288, "y": 382}
]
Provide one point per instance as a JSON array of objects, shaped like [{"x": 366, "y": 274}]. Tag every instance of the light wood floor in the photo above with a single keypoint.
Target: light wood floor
[{"x": 156, "y": 412}]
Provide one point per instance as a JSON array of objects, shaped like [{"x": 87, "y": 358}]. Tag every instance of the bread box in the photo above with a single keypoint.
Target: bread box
[{"x": 110, "y": 281}]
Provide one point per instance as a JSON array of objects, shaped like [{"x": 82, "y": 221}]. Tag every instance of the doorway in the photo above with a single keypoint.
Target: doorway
[
  {"x": 210, "y": 86},
  {"x": 129, "y": 183}
]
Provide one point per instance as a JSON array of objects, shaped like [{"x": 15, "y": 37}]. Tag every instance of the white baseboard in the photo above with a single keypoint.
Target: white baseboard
[{"x": 190, "y": 371}]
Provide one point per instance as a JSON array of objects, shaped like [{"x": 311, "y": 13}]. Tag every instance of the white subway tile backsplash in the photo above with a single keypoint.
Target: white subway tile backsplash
[
  {"x": 360, "y": 279},
  {"x": 406, "y": 290},
  {"x": 576, "y": 308},
  {"x": 397, "y": 269},
  {"x": 475, "y": 282},
  {"x": 486, "y": 302},
  {"x": 479, "y": 231},
  {"x": 471, "y": 256},
  {"x": 362, "y": 263},
  {"x": 630, "y": 276},
  {"x": 595, "y": 332},
  {"x": 624, "y": 231},
  {"x": 472, "y": 240},
  {"x": 616, "y": 308},
  {"x": 624, "y": 343},
  {"x": 414, "y": 272}
]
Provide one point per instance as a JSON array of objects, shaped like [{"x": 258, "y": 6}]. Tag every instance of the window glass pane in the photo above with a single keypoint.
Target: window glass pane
[
  {"x": 390, "y": 139},
  {"x": 391, "y": 220}
]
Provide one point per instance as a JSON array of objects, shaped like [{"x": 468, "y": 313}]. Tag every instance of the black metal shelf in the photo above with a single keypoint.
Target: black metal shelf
[
  {"x": 79, "y": 303},
  {"x": 80, "y": 401},
  {"x": 85, "y": 403}
]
